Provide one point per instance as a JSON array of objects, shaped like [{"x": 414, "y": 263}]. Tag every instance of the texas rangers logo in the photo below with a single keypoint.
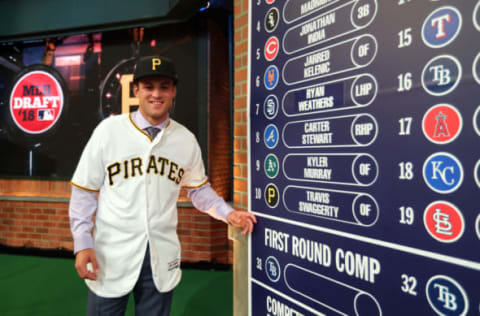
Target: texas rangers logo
[
  {"x": 446, "y": 296},
  {"x": 443, "y": 221},
  {"x": 441, "y": 27},
  {"x": 442, "y": 172},
  {"x": 272, "y": 47},
  {"x": 270, "y": 78},
  {"x": 270, "y": 107},
  {"x": 441, "y": 75},
  {"x": 271, "y": 136},
  {"x": 442, "y": 124},
  {"x": 271, "y": 20}
]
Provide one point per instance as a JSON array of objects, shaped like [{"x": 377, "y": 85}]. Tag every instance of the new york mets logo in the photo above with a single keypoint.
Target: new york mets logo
[
  {"x": 270, "y": 78},
  {"x": 443, "y": 172},
  {"x": 441, "y": 27},
  {"x": 446, "y": 296}
]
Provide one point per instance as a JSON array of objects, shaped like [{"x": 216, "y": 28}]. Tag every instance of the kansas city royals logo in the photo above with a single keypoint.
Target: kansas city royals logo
[
  {"x": 443, "y": 221},
  {"x": 270, "y": 136},
  {"x": 271, "y": 20},
  {"x": 270, "y": 78},
  {"x": 441, "y": 75},
  {"x": 446, "y": 296},
  {"x": 442, "y": 172},
  {"x": 272, "y": 269},
  {"x": 270, "y": 107},
  {"x": 441, "y": 27},
  {"x": 442, "y": 124}
]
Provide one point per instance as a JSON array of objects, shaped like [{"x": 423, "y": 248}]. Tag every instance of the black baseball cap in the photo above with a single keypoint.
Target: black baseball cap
[{"x": 156, "y": 66}]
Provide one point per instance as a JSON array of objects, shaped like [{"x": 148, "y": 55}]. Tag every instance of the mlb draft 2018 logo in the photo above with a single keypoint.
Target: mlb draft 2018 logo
[
  {"x": 442, "y": 124},
  {"x": 36, "y": 102},
  {"x": 441, "y": 27},
  {"x": 443, "y": 172},
  {"x": 446, "y": 296},
  {"x": 443, "y": 221}
]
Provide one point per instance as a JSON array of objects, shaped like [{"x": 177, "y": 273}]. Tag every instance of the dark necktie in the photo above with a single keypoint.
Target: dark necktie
[{"x": 152, "y": 131}]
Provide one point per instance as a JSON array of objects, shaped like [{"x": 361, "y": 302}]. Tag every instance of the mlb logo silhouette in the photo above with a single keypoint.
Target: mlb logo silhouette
[{"x": 46, "y": 115}]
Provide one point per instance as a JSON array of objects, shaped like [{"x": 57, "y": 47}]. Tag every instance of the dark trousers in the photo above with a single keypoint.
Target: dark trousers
[{"x": 148, "y": 301}]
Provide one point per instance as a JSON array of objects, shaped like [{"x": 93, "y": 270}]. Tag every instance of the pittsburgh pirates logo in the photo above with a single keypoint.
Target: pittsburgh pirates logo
[{"x": 156, "y": 62}]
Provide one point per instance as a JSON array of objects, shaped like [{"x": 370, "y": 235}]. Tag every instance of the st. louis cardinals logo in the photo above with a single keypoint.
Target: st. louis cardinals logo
[
  {"x": 443, "y": 221},
  {"x": 446, "y": 296},
  {"x": 441, "y": 27},
  {"x": 443, "y": 172}
]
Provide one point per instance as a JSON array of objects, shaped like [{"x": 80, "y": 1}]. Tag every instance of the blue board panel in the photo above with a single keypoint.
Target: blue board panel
[{"x": 365, "y": 143}]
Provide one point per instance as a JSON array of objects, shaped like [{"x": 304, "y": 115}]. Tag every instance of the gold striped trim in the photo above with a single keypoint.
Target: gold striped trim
[
  {"x": 138, "y": 128},
  {"x": 196, "y": 186},
  {"x": 83, "y": 188}
]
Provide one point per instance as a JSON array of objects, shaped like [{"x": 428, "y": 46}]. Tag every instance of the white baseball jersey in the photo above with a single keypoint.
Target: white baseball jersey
[{"x": 138, "y": 182}]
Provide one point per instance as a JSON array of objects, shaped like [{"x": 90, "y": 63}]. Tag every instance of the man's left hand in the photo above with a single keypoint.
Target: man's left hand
[{"x": 243, "y": 219}]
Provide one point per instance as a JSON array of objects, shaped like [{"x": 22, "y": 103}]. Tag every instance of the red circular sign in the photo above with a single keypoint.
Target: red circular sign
[
  {"x": 271, "y": 48},
  {"x": 442, "y": 124},
  {"x": 36, "y": 102},
  {"x": 443, "y": 221},
  {"x": 269, "y": 1}
]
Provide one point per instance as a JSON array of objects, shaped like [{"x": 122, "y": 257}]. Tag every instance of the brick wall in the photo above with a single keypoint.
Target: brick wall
[{"x": 240, "y": 170}]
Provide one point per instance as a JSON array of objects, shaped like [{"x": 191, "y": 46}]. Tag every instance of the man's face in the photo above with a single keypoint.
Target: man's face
[{"x": 155, "y": 96}]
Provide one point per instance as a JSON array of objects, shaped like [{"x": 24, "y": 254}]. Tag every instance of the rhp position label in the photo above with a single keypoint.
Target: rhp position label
[{"x": 36, "y": 102}]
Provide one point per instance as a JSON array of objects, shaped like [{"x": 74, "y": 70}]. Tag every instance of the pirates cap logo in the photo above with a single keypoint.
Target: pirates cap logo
[{"x": 156, "y": 62}]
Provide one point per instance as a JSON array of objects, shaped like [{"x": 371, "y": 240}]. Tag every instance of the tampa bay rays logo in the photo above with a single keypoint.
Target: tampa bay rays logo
[
  {"x": 443, "y": 172},
  {"x": 441, "y": 27},
  {"x": 446, "y": 296},
  {"x": 441, "y": 75},
  {"x": 272, "y": 269}
]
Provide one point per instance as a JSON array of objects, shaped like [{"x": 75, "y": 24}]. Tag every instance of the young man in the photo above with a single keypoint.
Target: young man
[{"x": 137, "y": 163}]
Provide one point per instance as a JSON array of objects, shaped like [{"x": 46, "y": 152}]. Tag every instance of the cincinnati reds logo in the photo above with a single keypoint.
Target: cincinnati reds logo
[
  {"x": 36, "y": 102},
  {"x": 269, "y": 1},
  {"x": 271, "y": 48},
  {"x": 442, "y": 124},
  {"x": 443, "y": 221},
  {"x": 441, "y": 27}
]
